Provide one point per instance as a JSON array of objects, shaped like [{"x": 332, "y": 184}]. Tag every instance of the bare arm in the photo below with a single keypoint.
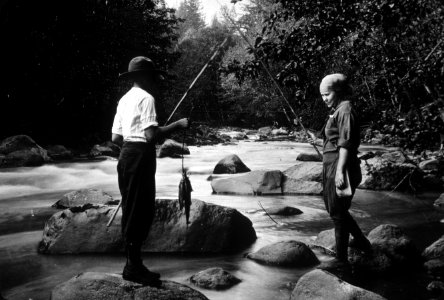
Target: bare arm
[
  {"x": 117, "y": 139},
  {"x": 340, "y": 169},
  {"x": 152, "y": 134}
]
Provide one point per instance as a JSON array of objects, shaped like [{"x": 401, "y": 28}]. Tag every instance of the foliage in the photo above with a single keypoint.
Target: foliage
[
  {"x": 392, "y": 67},
  {"x": 62, "y": 61},
  {"x": 189, "y": 12}
]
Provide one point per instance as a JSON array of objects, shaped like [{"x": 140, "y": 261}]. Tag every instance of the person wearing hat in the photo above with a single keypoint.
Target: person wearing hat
[
  {"x": 341, "y": 167},
  {"x": 136, "y": 129}
]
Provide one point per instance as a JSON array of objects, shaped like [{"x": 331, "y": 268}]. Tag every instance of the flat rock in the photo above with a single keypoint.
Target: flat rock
[
  {"x": 319, "y": 285},
  {"x": 214, "y": 278},
  {"x": 307, "y": 171},
  {"x": 171, "y": 148},
  {"x": 230, "y": 164},
  {"x": 252, "y": 183},
  {"x": 308, "y": 156},
  {"x": 83, "y": 197},
  {"x": 286, "y": 253},
  {"x": 292, "y": 186},
  {"x": 212, "y": 229},
  {"x": 93, "y": 285}
]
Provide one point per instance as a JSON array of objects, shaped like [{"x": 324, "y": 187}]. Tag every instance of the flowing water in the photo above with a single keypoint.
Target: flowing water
[{"x": 26, "y": 196}]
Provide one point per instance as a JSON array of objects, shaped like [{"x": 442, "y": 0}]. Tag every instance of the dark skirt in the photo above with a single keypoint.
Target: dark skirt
[{"x": 335, "y": 205}]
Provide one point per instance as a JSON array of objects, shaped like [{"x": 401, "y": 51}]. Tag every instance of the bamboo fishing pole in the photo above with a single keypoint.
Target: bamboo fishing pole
[
  {"x": 276, "y": 84},
  {"x": 177, "y": 106}
]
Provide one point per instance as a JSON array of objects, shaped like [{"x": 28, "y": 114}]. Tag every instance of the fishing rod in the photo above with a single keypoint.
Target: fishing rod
[
  {"x": 175, "y": 109},
  {"x": 197, "y": 77},
  {"x": 276, "y": 84}
]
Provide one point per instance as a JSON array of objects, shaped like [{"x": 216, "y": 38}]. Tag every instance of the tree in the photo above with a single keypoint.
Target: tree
[{"x": 189, "y": 12}]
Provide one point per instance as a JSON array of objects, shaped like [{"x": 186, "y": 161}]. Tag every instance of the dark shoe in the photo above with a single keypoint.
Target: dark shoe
[
  {"x": 363, "y": 245},
  {"x": 140, "y": 274}
]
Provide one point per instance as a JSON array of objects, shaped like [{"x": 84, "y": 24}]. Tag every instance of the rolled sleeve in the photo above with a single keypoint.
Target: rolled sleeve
[
  {"x": 346, "y": 125},
  {"x": 148, "y": 116}
]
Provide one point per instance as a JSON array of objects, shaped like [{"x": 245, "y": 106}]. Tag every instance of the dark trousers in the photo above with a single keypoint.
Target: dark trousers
[
  {"x": 136, "y": 174},
  {"x": 338, "y": 207}
]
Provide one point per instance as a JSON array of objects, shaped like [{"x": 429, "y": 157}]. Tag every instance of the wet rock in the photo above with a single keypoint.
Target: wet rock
[
  {"x": 230, "y": 164},
  {"x": 59, "y": 152},
  {"x": 284, "y": 211},
  {"x": 386, "y": 171},
  {"x": 214, "y": 278},
  {"x": 436, "y": 249},
  {"x": 279, "y": 131},
  {"x": 286, "y": 253},
  {"x": 22, "y": 151},
  {"x": 439, "y": 203},
  {"x": 94, "y": 285},
  {"x": 251, "y": 183},
  {"x": 105, "y": 149},
  {"x": 436, "y": 287},
  {"x": 435, "y": 266},
  {"x": 326, "y": 239},
  {"x": 212, "y": 229},
  {"x": 171, "y": 148},
  {"x": 307, "y": 171},
  {"x": 265, "y": 131},
  {"x": 82, "y": 197},
  {"x": 308, "y": 156},
  {"x": 429, "y": 165},
  {"x": 291, "y": 186},
  {"x": 319, "y": 284}
]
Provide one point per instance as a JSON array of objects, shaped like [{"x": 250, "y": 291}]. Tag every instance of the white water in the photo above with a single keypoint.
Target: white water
[{"x": 27, "y": 192}]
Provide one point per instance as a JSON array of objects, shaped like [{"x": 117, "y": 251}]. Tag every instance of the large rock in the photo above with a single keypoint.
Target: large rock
[
  {"x": 105, "y": 149},
  {"x": 279, "y": 131},
  {"x": 320, "y": 285},
  {"x": 286, "y": 253},
  {"x": 230, "y": 164},
  {"x": 265, "y": 130},
  {"x": 21, "y": 150},
  {"x": 386, "y": 171},
  {"x": 308, "y": 156},
  {"x": 435, "y": 250},
  {"x": 252, "y": 183},
  {"x": 214, "y": 278},
  {"x": 171, "y": 148},
  {"x": 326, "y": 239},
  {"x": 213, "y": 229},
  {"x": 93, "y": 285},
  {"x": 283, "y": 211},
  {"x": 83, "y": 197},
  {"x": 307, "y": 171},
  {"x": 59, "y": 152},
  {"x": 291, "y": 186}
]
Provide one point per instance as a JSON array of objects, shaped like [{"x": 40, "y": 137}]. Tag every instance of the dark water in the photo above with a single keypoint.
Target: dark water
[{"x": 26, "y": 195}]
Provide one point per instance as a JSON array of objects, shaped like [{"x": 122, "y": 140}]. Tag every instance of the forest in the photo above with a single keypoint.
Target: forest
[{"x": 61, "y": 60}]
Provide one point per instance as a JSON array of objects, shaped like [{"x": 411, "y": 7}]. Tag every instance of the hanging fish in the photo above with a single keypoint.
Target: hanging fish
[{"x": 185, "y": 190}]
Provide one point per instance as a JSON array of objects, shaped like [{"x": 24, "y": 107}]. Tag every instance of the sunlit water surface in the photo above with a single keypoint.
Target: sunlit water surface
[{"x": 26, "y": 195}]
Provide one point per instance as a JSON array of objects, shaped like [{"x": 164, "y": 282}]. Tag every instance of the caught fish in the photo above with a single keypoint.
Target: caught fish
[{"x": 185, "y": 190}]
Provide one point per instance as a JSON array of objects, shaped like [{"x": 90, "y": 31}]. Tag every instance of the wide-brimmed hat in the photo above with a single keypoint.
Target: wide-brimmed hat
[{"x": 141, "y": 65}]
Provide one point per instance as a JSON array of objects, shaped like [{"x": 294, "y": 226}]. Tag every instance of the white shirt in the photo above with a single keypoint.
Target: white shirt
[{"x": 135, "y": 113}]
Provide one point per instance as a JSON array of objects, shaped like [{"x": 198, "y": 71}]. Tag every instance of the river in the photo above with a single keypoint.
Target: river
[{"x": 26, "y": 196}]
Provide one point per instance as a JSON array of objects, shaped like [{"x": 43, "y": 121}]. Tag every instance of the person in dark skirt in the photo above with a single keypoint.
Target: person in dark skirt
[
  {"x": 340, "y": 149},
  {"x": 135, "y": 127}
]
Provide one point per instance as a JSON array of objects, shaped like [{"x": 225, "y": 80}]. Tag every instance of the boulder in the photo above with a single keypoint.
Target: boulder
[
  {"x": 230, "y": 164},
  {"x": 435, "y": 250},
  {"x": 435, "y": 267},
  {"x": 283, "y": 211},
  {"x": 326, "y": 239},
  {"x": 214, "y": 279},
  {"x": 265, "y": 130},
  {"x": 105, "y": 149},
  {"x": 319, "y": 284},
  {"x": 291, "y": 186},
  {"x": 307, "y": 171},
  {"x": 59, "y": 152},
  {"x": 429, "y": 165},
  {"x": 386, "y": 171},
  {"x": 22, "y": 151},
  {"x": 94, "y": 285},
  {"x": 286, "y": 253},
  {"x": 436, "y": 287},
  {"x": 83, "y": 197},
  {"x": 279, "y": 131},
  {"x": 439, "y": 203},
  {"x": 171, "y": 148},
  {"x": 251, "y": 183},
  {"x": 308, "y": 156},
  {"x": 212, "y": 229}
]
